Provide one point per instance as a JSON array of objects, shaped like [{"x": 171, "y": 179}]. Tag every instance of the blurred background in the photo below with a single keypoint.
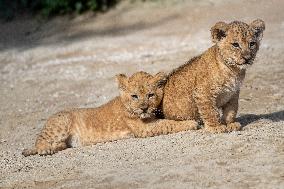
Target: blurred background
[{"x": 47, "y": 8}]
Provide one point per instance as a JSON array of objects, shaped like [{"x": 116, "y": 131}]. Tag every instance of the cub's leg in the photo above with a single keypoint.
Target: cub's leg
[
  {"x": 163, "y": 127},
  {"x": 208, "y": 110},
  {"x": 54, "y": 135},
  {"x": 230, "y": 111},
  {"x": 171, "y": 126}
]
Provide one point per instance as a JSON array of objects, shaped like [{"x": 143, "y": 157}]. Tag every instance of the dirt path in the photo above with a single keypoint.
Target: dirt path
[{"x": 66, "y": 63}]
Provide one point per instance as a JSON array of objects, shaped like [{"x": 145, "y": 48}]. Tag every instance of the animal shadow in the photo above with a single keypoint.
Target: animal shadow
[{"x": 246, "y": 119}]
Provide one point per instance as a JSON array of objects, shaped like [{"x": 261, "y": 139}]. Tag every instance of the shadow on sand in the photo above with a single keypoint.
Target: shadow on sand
[
  {"x": 250, "y": 118},
  {"x": 22, "y": 37}
]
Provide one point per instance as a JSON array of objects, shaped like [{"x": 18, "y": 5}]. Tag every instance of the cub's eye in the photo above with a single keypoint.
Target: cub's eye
[
  {"x": 150, "y": 95},
  {"x": 236, "y": 45},
  {"x": 134, "y": 97},
  {"x": 252, "y": 44}
]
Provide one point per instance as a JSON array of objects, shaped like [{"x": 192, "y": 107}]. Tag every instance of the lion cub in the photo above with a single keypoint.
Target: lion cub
[
  {"x": 132, "y": 114},
  {"x": 207, "y": 87}
]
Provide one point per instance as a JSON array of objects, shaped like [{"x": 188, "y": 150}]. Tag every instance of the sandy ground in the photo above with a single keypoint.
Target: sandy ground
[{"x": 71, "y": 62}]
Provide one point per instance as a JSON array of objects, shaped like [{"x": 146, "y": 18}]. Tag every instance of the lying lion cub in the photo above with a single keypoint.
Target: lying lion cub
[
  {"x": 132, "y": 114},
  {"x": 207, "y": 87}
]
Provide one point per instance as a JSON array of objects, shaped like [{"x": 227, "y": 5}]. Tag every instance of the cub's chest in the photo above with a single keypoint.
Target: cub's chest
[{"x": 227, "y": 89}]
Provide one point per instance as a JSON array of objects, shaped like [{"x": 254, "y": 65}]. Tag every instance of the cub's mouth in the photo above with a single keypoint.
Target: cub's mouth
[
  {"x": 145, "y": 116},
  {"x": 247, "y": 62}
]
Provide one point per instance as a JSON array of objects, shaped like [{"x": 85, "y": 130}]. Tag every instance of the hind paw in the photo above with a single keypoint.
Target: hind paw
[{"x": 28, "y": 152}]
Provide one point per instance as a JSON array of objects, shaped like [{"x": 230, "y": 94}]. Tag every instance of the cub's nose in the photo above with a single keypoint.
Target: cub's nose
[
  {"x": 247, "y": 59},
  {"x": 246, "y": 55},
  {"x": 144, "y": 109}
]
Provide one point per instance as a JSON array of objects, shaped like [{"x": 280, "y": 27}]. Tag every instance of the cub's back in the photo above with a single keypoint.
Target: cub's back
[
  {"x": 101, "y": 124},
  {"x": 178, "y": 91},
  {"x": 178, "y": 102}
]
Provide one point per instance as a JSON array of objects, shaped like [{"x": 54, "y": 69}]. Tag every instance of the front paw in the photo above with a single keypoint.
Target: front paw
[
  {"x": 45, "y": 152},
  {"x": 216, "y": 129},
  {"x": 191, "y": 125},
  {"x": 235, "y": 126}
]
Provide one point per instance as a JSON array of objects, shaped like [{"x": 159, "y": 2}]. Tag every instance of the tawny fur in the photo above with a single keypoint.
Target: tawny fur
[
  {"x": 132, "y": 114},
  {"x": 210, "y": 83}
]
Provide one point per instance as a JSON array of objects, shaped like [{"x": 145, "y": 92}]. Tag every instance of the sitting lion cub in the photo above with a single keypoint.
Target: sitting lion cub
[
  {"x": 207, "y": 87},
  {"x": 132, "y": 114}
]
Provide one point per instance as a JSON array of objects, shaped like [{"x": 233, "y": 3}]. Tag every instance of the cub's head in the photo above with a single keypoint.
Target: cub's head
[
  {"x": 142, "y": 93},
  {"x": 238, "y": 42}
]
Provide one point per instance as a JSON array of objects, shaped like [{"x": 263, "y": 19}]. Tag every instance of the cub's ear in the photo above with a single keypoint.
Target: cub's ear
[
  {"x": 122, "y": 81},
  {"x": 258, "y": 26},
  {"x": 219, "y": 31},
  {"x": 160, "y": 79}
]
